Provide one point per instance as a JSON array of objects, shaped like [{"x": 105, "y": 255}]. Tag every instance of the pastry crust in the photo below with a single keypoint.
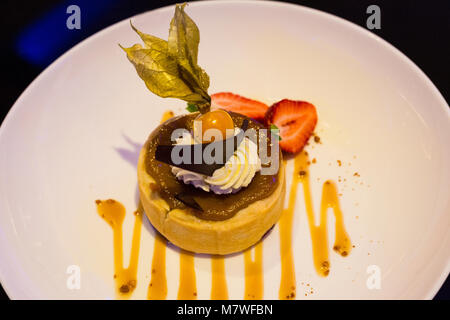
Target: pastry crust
[{"x": 188, "y": 232}]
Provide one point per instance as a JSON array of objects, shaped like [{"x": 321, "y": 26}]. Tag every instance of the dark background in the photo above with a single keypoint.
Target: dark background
[{"x": 34, "y": 35}]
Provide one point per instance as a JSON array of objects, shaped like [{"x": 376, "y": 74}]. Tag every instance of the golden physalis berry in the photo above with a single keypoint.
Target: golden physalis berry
[{"x": 219, "y": 120}]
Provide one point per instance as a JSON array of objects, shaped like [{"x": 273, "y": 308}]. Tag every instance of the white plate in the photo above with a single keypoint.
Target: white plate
[{"x": 73, "y": 136}]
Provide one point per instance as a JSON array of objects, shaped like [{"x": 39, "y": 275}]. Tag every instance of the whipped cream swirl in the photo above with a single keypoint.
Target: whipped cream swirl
[{"x": 237, "y": 172}]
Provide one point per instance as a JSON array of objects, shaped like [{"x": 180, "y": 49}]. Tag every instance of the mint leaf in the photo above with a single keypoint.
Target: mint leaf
[
  {"x": 275, "y": 131},
  {"x": 191, "y": 107}
]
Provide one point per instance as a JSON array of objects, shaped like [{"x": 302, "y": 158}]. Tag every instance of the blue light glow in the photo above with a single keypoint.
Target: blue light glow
[{"x": 44, "y": 40}]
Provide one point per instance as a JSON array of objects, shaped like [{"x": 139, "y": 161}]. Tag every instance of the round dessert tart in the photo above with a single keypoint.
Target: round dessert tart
[{"x": 198, "y": 218}]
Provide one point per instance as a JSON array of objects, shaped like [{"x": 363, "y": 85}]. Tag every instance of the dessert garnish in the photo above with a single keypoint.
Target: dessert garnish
[
  {"x": 187, "y": 152},
  {"x": 219, "y": 120},
  {"x": 296, "y": 121},
  {"x": 169, "y": 68},
  {"x": 236, "y": 103},
  {"x": 237, "y": 172}
]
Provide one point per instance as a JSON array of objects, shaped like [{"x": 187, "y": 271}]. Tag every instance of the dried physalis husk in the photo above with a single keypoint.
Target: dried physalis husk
[{"x": 169, "y": 68}]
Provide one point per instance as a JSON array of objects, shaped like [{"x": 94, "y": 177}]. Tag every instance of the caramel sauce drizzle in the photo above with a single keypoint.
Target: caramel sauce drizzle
[
  {"x": 319, "y": 238},
  {"x": 219, "y": 289},
  {"x": 113, "y": 212},
  {"x": 166, "y": 116},
  {"x": 157, "y": 289},
  {"x": 288, "y": 285},
  {"x": 254, "y": 284},
  {"x": 187, "y": 289}
]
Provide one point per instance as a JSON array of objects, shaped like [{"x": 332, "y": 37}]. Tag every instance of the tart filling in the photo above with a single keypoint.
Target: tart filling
[{"x": 212, "y": 206}]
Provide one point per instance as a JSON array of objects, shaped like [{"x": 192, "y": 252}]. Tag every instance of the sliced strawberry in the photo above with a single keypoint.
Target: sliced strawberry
[
  {"x": 296, "y": 121},
  {"x": 236, "y": 103}
]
